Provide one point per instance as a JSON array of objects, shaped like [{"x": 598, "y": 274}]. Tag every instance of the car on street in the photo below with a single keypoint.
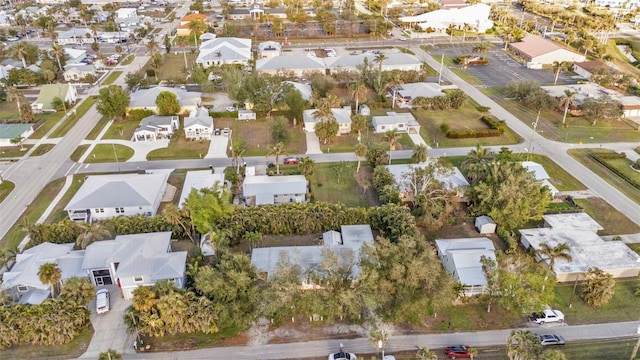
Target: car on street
[
  {"x": 354, "y": 52},
  {"x": 102, "y": 301},
  {"x": 402, "y": 38},
  {"x": 547, "y": 316},
  {"x": 458, "y": 352},
  {"x": 550, "y": 339},
  {"x": 291, "y": 160},
  {"x": 231, "y": 108},
  {"x": 342, "y": 355}
]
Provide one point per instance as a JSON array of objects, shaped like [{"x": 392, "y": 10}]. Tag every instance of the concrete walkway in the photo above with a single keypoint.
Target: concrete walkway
[
  {"x": 218, "y": 147},
  {"x": 92, "y": 144},
  {"x": 313, "y": 144},
  {"x": 418, "y": 140}
]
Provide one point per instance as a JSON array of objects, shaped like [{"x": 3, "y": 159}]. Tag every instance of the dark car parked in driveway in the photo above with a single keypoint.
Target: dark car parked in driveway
[
  {"x": 550, "y": 339},
  {"x": 458, "y": 352},
  {"x": 291, "y": 160}
]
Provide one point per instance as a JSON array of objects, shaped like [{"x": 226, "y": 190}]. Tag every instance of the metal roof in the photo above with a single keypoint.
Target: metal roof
[
  {"x": 25, "y": 270},
  {"x": 451, "y": 180},
  {"x": 200, "y": 179},
  {"x": 10, "y": 131},
  {"x": 462, "y": 258},
  {"x": 578, "y": 220},
  {"x": 264, "y": 187}
]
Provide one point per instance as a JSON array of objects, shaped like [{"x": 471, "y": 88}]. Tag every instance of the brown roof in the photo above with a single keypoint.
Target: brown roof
[
  {"x": 534, "y": 46},
  {"x": 592, "y": 65},
  {"x": 191, "y": 17}
]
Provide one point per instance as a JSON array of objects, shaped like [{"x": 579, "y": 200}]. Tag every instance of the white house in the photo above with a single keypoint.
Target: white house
[
  {"x": 400, "y": 122},
  {"x": 134, "y": 260},
  {"x": 541, "y": 175},
  {"x": 124, "y": 13},
  {"x": 535, "y": 49},
  {"x": 451, "y": 179},
  {"x": 48, "y": 92},
  {"x": 587, "y": 68},
  {"x": 75, "y": 56},
  {"x": 269, "y": 49},
  {"x": 78, "y": 72},
  {"x": 630, "y": 104},
  {"x": 406, "y": 93},
  {"x": 146, "y": 99},
  {"x": 477, "y": 16},
  {"x": 341, "y": 115},
  {"x": 103, "y": 197},
  {"x": 461, "y": 258},
  {"x": 14, "y": 130},
  {"x": 393, "y": 61},
  {"x": 198, "y": 125},
  {"x": 199, "y": 179},
  {"x": 264, "y": 189},
  {"x": 303, "y": 88},
  {"x": 156, "y": 127},
  {"x": 297, "y": 65},
  {"x": 228, "y": 50},
  {"x": 587, "y": 249}
]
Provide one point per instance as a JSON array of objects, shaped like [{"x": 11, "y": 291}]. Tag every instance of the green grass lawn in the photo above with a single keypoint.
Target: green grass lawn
[
  {"x": 256, "y": 136},
  {"x": 71, "y": 350},
  {"x": 172, "y": 67},
  {"x": 14, "y": 151},
  {"x": 58, "y": 214},
  {"x": 637, "y": 149},
  {"x": 128, "y": 60},
  {"x": 42, "y": 149},
  {"x": 105, "y": 153},
  {"x": 9, "y": 111},
  {"x": 578, "y": 129},
  {"x": 77, "y": 153},
  {"x": 466, "y": 117},
  {"x": 126, "y": 128},
  {"x": 49, "y": 121},
  {"x": 73, "y": 119},
  {"x": 583, "y": 156},
  {"x": 111, "y": 78},
  {"x": 180, "y": 148},
  {"x": 613, "y": 221},
  {"x": 325, "y": 187},
  {"x": 93, "y": 134},
  {"x": 6, "y": 187}
]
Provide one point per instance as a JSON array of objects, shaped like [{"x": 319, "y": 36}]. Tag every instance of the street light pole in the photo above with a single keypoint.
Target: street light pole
[{"x": 535, "y": 126}]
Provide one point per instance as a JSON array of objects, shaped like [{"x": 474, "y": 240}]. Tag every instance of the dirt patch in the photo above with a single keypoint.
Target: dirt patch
[{"x": 364, "y": 178}]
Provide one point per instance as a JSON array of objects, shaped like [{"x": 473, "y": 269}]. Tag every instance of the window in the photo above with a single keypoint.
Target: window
[
  {"x": 100, "y": 210},
  {"x": 382, "y": 127},
  {"x": 119, "y": 210},
  {"x": 22, "y": 288},
  {"x": 137, "y": 278}
]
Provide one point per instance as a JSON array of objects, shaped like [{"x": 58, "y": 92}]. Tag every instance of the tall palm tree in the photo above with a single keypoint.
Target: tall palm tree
[
  {"x": 475, "y": 161},
  {"x": 379, "y": 59},
  {"x": 420, "y": 154},
  {"x": 277, "y": 150},
  {"x": 396, "y": 80},
  {"x": 357, "y": 91},
  {"x": 14, "y": 94},
  {"x": 50, "y": 274},
  {"x": 361, "y": 151},
  {"x": 392, "y": 137},
  {"x": 306, "y": 164},
  {"x": 553, "y": 253},
  {"x": 92, "y": 233},
  {"x": 587, "y": 44},
  {"x": 176, "y": 216},
  {"x": 558, "y": 67},
  {"x": 144, "y": 299},
  {"x": 20, "y": 50},
  {"x": 152, "y": 46},
  {"x": 522, "y": 345},
  {"x": 358, "y": 123},
  {"x": 238, "y": 152},
  {"x": 568, "y": 100},
  {"x": 183, "y": 42},
  {"x": 58, "y": 53},
  {"x": 197, "y": 27}
]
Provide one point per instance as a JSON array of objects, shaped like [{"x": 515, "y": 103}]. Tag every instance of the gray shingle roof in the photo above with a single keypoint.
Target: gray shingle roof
[{"x": 147, "y": 97}]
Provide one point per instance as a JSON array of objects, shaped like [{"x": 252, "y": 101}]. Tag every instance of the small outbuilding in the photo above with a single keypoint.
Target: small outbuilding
[
  {"x": 364, "y": 110},
  {"x": 246, "y": 115},
  {"x": 485, "y": 225}
]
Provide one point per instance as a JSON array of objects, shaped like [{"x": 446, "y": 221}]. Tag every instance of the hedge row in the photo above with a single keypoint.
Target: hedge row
[
  {"x": 493, "y": 123},
  {"x": 473, "y": 133},
  {"x": 603, "y": 162},
  {"x": 610, "y": 156}
]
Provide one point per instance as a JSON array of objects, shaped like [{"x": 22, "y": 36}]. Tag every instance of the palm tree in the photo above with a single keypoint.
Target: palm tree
[
  {"x": 110, "y": 355},
  {"x": 238, "y": 153},
  {"x": 197, "y": 27},
  {"x": 277, "y": 150},
  {"x": 18, "y": 140},
  {"x": 92, "y": 233},
  {"x": 475, "y": 161},
  {"x": 587, "y": 44},
  {"x": 58, "y": 53},
  {"x": 420, "y": 154},
  {"x": 598, "y": 287},
  {"x": 568, "y": 100},
  {"x": 361, "y": 151},
  {"x": 50, "y": 274},
  {"x": 392, "y": 137},
  {"x": 357, "y": 91},
  {"x": 522, "y": 345},
  {"x": 425, "y": 354},
  {"x": 558, "y": 67},
  {"x": 78, "y": 290},
  {"x": 144, "y": 299},
  {"x": 14, "y": 94},
  {"x": 306, "y": 164},
  {"x": 176, "y": 216},
  {"x": 379, "y": 59},
  {"x": 358, "y": 123},
  {"x": 183, "y": 42},
  {"x": 152, "y": 46},
  {"x": 20, "y": 50},
  {"x": 482, "y": 47},
  {"x": 396, "y": 81},
  {"x": 560, "y": 251}
]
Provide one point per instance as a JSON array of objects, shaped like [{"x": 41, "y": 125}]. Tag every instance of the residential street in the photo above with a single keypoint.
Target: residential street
[{"x": 396, "y": 343}]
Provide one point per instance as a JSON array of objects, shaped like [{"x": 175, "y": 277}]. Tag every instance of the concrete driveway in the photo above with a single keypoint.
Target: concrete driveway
[
  {"x": 502, "y": 69},
  {"x": 110, "y": 332},
  {"x": 313, "y": 143},
  {"x": 221, "y": 101},
  {"x": 218, "y": 146}
]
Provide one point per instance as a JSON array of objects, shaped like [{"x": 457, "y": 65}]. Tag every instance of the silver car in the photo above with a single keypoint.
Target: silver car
[{"x": 102, "y": 301}]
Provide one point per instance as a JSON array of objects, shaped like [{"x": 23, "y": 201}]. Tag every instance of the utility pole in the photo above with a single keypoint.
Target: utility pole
[
  {"x": 533, "y": 133},
  {"x": 441, "y": 67}
]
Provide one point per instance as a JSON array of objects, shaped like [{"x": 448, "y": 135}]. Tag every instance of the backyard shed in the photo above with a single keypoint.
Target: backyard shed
[{"x": 485, "y": 225}]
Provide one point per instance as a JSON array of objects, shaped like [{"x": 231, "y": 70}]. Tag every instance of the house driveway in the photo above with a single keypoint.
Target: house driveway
[
  {"x": 313, "y": 143},
  {"x": 110, "y": 332},
  {"x": 418, "y": 140},
  {"x": 218, "y": 146}
]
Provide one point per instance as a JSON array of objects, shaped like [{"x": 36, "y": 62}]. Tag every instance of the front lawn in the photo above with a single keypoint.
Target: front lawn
[
  {"x": 14, "y": 151},
  {"x": 121, "y": 129},
  {"x": 350, "y": 192},
  {"x": 6, "y": 187},
  {"x": 71, "y": 350},
  {"x": 58, "y": 214},
  {"x": 172, "y": 67},
  {"x": 256, "y": 135},
  {"x": 111, "y": 78},
  {"x": 74, "y": 117},
  {"x": 613, "y": 221},
  {"x": 42, "y": 149},
  {"x": 106, "y": 153},
  {"x": 180, "y": 148},
  {"x": 49, "y": 120}
]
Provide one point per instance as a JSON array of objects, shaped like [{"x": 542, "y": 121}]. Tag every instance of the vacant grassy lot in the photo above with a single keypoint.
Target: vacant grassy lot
[
  {"x": 325, "y": 187},
  {"x": 42, "y": 149},
  {"x": 583, "y": 156},
  {"x": 180, "y": 148},
  {"x": 72, "y": 119},
  {"x": 112, "y": 77},
  {"x": 70, "y": 350},
  {"x": 172, "y": 67},
  {"x": 14, "y": 151},
  {"x": 256, "y": 135},
  {"x": 613, "y": 221},
  {"x": 6, "y": 187},
  {"x": 578, "y": 129},
  {"x": 466, "y": 117},
  {"x": 107, "y": 153}
]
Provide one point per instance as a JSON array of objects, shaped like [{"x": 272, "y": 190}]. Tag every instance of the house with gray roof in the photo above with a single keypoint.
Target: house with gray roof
[
  {"x": 400, "y": 122},
  {"x": 22, "y": 283},
  {"x": 77, "y": 72},
  {"x": 75, "y": 36},
  {"x": 265, "y": 190},
  {"x": 536, "y": 50},
  {"x": 303, "y": 88},
  {"x": 156, "y": 127},
  {"x": 451, "y": 179},
  {"x": 134, "y": 260},
  {"x": 198, "y": 125},
  {"x": 346, "y": 243},
  {"x": 48, "y": 92},
  {"x": 103, "y": 197},
  {"x": 541, "y": 175},
  {"x": 341, "y": 115},
  {"x": 297, "y": 65},
  {"x": 145, "y": 99},
  {"x": 14, "y": 130},
  {"x": 406, "y": 93},
  {"x": 268, "y": 49},
  {"x": 462, "y": 259},
  {"x": 227, "y": 50},
  {"x": 394, "y": 61},
  {"x": 197, "y": 180}
]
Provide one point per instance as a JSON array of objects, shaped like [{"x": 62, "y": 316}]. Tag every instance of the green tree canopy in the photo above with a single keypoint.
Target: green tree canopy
[
  {"x": 167, "y": 103},
  {"x": 208, "y": 207},
  {"x": 113, "y": 101}
]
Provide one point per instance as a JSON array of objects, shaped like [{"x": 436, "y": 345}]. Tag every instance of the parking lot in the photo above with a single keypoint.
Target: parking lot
[{"x": 502, "y": 69}]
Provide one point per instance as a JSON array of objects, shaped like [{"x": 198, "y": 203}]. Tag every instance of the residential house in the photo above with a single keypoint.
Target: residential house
[
  {"x": 451, "y": 179},
  {"x": 394, "y": 61},
  {"x": 135, "y": 260},
  {"x": 400, "y": 122},
  {"x": 462, "y": 259},
  {"x": 198, "y": 125},
  {"x": 124, "y": 13},
  {"x": 347, "y": 243},
  {"x": 221, "y": 51},
  {"x": 406, "y": 93},
  {"x": 75, "y": 36},
  {"x": 104, "y": 197},
  {"x": 541, "y": 175},
  {"x": 22, "y": 284},
  {"x": 587, "y": 249},
  {"x": 630, "y": 104},
  {"x": 183, "y": 28},
  {"x": 266, "y": 190},
  {"x": 244, "y": 115},
  {"x": 477, "y": 16},
  {"x": 587, "y": 68},
  {"x": 364, "y": 110},
  {"x": 146, "y": 99},
  {"x": 14, "y": 130},
  {"x": 49, "y": 92},
  {"x": 78, "y": 72},
  {"x": 537, "y": 51},
  {"x": 207, "y": 36},
  {"x": 269, "y": 49},
  {"x": 485, "y": 225},
  {"x": 296, "y": 65},
  {"x": 341, "y": 115},
  {"x": 156, "y": 127},
  {"x": 200, "y": 179},
  {"x": 303, "y": 88},
  {"x": 75, "y": 56}
]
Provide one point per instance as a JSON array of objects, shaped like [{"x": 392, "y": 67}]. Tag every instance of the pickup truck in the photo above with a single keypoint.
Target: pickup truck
[{"x": 547, "y": 316}]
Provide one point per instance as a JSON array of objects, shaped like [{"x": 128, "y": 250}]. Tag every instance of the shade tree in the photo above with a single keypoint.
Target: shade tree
[
  {"x": 113, "y": 101},
  {"x": 597, "y": 289}
]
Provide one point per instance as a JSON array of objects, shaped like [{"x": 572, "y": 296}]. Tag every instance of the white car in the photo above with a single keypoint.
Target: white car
[
  {"x": 547, "y": 316},
  {"x": 231, "y": 108},
  {"x": 342, "y": 356},
  {"x": 102, "y": 301},
  {"x": 311, "y": 54},
  {"x": 402, "y": 38}
]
